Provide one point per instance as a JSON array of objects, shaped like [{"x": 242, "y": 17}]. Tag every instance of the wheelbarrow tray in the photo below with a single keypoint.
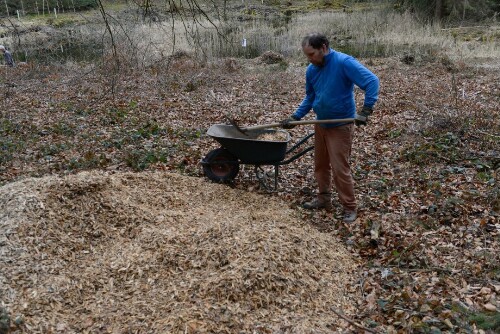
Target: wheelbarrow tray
[{"x": 246, "y": 147}]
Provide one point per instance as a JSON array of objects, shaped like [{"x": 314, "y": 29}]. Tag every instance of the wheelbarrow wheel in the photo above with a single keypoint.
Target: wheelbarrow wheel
[{"x": 221, "y": 166}]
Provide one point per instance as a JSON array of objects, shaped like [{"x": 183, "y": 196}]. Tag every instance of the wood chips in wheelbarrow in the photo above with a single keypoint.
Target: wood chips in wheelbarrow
[
  {"x": 163, "y": 253},
  {"x": 273, "y": 136}
]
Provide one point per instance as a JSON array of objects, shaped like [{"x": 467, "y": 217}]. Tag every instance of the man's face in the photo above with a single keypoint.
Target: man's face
[{"x": 315, "y": 56}]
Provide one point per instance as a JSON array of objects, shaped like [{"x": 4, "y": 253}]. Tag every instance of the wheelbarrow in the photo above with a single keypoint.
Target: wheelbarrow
[{"x": 246, "y": 146}]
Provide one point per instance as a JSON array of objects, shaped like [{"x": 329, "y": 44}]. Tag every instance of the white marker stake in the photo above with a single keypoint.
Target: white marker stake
[
  {"x": 55, "y": 13},
  {"x": 244, "y": 43}
]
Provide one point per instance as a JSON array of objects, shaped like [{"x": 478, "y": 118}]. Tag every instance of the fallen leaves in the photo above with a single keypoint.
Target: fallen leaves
[{"x": 426, "y": 171}]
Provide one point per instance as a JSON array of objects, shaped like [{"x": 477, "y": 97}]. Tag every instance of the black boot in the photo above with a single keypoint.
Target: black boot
[{"x": 323, "y": 201}]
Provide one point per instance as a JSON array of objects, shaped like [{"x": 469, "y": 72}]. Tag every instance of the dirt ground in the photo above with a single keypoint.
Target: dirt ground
[{"x": 145, "y": 241}]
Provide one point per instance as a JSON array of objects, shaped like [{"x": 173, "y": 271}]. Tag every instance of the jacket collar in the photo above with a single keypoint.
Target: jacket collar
[{"x": 329, "y": 57}]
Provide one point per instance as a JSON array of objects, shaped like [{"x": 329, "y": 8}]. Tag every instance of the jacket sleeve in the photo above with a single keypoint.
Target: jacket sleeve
[
  {"x": 308, "y": 100},
  {"x": 364, "y": 79}
]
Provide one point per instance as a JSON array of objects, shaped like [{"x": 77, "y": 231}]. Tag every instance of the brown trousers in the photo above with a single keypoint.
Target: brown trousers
[{"x": 332, "y": 151}]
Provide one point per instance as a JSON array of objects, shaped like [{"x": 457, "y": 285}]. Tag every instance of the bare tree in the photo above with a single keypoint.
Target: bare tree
[
  {"x": 438, "y": 10},
  {"x": 113, "y": 45},
  {"x": 7, "y": 8}
]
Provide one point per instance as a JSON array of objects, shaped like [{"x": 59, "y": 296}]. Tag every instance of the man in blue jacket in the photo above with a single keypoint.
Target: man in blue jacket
[
  {"x": 7, "y": 56},
  {"x": 330, "y": 80}
]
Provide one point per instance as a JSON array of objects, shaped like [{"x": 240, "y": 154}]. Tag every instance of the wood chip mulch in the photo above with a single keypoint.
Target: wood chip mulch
[{"x": 156, "y": 252}]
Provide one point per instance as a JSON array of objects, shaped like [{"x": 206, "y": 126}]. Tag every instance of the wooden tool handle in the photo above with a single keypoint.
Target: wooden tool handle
[{"x": 316, "y": 121}]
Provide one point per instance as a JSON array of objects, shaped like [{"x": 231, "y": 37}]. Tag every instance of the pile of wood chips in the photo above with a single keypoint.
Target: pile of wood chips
[
  {"x": 279, "y": 136},
  {"x": 163, "y": 253}
]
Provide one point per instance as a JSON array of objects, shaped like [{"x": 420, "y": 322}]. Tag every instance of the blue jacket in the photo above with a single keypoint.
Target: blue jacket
[
  {"x": 8, "y": 58},
  {"x": 330, "y": 88}
]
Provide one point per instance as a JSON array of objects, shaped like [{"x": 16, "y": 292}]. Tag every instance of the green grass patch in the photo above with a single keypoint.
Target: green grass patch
[
  {"x": 63, "y": 129},
  {"x": 89, "y": 160},
  {"x": 187, "y": 134},
  {"x": 395, "y": 133},
  {"x": 140, "y": 159},
  {"x": 484, "y": 176},
  {"x": 486, "y": 321},
  {"x": 52, "y": 149},
  {"x": 116, "y": 115},
  {"x": 7, "y": 127},
  {"x": 442, "y": 148},
  {"x": 62, "y": 21},
  {"x": 10, "y": 143},
  {"x": 149, "y": 129},
  {"x": 7, "y": 150},
  {"x": 324, "y": 4}
]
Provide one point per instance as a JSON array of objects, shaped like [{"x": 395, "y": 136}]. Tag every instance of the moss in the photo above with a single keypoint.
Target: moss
[{"x": 486, "y": 321}]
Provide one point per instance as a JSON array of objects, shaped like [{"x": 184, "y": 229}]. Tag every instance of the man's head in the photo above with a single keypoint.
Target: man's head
[{"x": 315, "y": 46}]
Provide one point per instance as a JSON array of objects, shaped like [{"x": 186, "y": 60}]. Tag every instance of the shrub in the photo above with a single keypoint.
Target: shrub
[
  {"x": 450, "y": 10},
  {"x": 35, "y": 6}
]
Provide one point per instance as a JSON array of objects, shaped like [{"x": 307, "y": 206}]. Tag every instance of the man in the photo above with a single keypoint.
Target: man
[
  {"x": 330, "y": 80},
  {"x": 9, "y": 61}
]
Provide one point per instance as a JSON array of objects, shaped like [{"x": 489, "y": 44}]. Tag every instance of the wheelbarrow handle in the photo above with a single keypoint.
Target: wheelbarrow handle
[{"x": 316, "y": 121}]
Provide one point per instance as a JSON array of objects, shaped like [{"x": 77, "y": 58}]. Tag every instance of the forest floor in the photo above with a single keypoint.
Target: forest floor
[{"x": 426, "y": 166}]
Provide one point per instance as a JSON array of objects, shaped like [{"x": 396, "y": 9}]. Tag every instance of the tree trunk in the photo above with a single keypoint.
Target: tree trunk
[
  {"x": 438, "y": 10},
  {"x": 224, "y": 13},
  {"x": 7, "y": 8},
  {"x": 466, "y": 4}
]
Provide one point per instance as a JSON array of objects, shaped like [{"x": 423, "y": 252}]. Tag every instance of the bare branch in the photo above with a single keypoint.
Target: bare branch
[{"x": 352, "y": 322}]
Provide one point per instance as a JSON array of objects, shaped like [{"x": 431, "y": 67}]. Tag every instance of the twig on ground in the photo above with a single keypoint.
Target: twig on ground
[
  {"x": 352, "y": 322},
  {"x": 488, "y": 134}
]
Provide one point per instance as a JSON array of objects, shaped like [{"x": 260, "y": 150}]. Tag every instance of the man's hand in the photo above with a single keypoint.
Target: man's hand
[
  {"x": 285, "y": 124},
  {"x": 362, "y": 116}
]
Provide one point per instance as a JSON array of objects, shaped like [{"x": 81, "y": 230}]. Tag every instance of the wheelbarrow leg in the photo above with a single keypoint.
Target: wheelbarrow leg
[
  {"x": 276, "y": 173},
  {"x": 265, "y": 177}
]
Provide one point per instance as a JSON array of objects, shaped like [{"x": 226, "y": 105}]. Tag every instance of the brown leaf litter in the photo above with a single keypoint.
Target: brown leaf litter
[{"x": 159, "y": 252}]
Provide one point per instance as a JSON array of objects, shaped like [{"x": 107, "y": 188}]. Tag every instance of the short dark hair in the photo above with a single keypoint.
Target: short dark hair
[{"x": 315, "y": 40}]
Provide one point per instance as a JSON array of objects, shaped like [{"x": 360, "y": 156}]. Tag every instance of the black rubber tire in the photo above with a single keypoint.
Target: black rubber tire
[{"x": 221, "y": 166}]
